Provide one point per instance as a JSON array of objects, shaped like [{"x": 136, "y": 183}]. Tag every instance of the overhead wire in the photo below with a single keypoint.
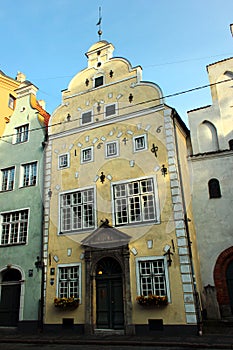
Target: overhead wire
[{"x": 131, "y": 105}]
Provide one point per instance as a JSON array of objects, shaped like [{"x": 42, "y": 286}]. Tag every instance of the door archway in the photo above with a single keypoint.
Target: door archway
[
  {"x": 109, "y": 294},
  {"x": 229, "y": 280},
  {"x": 223, "y": 282},
  {"x": 10, "y": 297}
]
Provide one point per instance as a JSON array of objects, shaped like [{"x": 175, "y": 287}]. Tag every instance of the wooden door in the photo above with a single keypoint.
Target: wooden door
[
  {"x": 109, "y": 295},
  {"x": 9, "y": 305}
]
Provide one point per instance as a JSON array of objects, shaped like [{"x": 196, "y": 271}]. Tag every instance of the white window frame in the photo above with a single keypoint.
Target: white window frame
[
  {"x": 116, "y": 142},
  {"x": 166, "y": 273},
  {"x": 12, "y": 222},
  {"x": 156, "y": 220},
  {"x": 91, "y": 121},
  {"x": 97, "y": 77},
  {"x": 111, "y": 115},
  {"x": 59, "y": 266},
  {"x": 82, "y": 229},
  {"x": 83, "y": 161},
  {"x": 17, "y": 128},
  {"x": 135, "y": 148},
  {"x": 22, "y": 172},
  {"x": 11, "y": 102},
  {"x": 8, "y": 169},
  {"x": 60, "y": 164}
]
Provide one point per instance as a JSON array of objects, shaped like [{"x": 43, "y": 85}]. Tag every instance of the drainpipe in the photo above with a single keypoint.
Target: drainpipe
[
  {"x": 42, "y": 263},
  {"x": 186, "y": 220}
]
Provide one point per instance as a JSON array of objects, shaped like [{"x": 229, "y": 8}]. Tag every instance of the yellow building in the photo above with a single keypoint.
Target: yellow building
[
  {"x": 117, "y": 235},
  {"x": 7, "y": 99}
]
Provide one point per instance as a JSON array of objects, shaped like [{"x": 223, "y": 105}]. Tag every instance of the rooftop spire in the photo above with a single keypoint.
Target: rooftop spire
[{"x": 99, "y": 24}]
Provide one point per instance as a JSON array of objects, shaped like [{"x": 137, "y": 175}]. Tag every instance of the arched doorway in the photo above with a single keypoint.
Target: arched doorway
[
  {"x": 229, "y": 279},
  {"x": 109, "y": 294},
  {"x": 223, "y": 279},
  {"x": 10, "y": 297}
]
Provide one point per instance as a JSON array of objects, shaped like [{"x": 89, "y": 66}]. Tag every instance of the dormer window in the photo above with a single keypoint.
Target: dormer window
[
  {"x": 99, "y": 81},
  {"x": 11, "y": 102}
]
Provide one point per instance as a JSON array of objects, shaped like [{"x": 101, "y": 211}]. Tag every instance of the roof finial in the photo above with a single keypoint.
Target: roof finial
[{"x": 99, "y": 24}]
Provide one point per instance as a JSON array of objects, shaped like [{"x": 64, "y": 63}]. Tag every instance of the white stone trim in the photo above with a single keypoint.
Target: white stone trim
[{"x": 178, "y": 211}]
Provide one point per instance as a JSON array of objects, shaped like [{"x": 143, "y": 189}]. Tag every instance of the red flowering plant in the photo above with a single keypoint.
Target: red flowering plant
[
  {"x": 66, "y": 303},
  {"x": 152, "y": 300}
]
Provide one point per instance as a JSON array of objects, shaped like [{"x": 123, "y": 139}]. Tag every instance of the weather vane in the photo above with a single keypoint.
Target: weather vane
[{"x": 99, "y": 24}]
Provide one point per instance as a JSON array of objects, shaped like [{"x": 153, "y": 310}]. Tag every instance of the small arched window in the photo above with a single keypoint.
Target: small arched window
[
  {"x": 231, "y": 144},
  {"x": 214, "y": 188}
]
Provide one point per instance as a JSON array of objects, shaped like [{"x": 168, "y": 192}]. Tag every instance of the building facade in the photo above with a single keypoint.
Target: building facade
[
  {"x": 212, "y": 166},
  {"x": 117, "y": 239},
  {"x": 7, "y": 98},
  {"x": 21, "y": 210}
]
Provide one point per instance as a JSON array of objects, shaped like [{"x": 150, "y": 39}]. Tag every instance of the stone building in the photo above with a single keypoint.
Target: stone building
[
  {"x": 118, "y": 219},
  {"x": 212, "y": 188}
]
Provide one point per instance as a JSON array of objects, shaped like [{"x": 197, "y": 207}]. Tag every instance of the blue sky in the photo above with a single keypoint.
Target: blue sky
[{"x": 173, "y": 41}]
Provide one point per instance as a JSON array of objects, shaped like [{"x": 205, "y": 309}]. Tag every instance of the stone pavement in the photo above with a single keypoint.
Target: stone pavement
[{"x": 213, "y": 337}]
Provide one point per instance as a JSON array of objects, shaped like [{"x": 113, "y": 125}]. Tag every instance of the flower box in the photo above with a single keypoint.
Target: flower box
[
  {"x": 153, "y": 300},
  {"x": 66, "y": 303}
]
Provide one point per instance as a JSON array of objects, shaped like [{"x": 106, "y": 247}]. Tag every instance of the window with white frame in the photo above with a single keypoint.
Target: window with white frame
[
  {"x": 77, "y": 211},
  {"x": 86, "y": 117},
  {"x": 87, "y": 155},
  {"x": 14, "y": 227},
  {"x": 99, "y": 81},
  {"x": 11, "y": 102},
  {"x": 111, "y": 149},
  {"x": 110, "y": 110},
  {"x": 152, "y": 276},
  {"x": 69, "y": 281},
  {"x": 22, "y": 133},
  {"x": 63, "y": 161},
  {"x": 140, "y": 143},
  {"x": 29, "y": 174},
  {"x": 135, "y": 202},
  {"x": 7, "y": 177}
]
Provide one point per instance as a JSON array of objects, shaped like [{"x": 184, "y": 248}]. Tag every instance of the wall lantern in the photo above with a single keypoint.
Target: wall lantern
[
  {"x": 164, "y": 170},
  {"x": 39, "y": 263},
  {"x": 168, "y": 253}
]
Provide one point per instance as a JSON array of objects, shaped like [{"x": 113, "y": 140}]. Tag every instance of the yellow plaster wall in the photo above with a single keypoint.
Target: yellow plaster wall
[
  {"x": 144, "y": 115},
  {"x": 7, "y": 88}
]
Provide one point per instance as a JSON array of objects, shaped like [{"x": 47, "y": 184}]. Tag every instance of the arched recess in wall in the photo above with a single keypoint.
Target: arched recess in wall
[
  {"x": 231, "y": 144},
  {"x": 207, "y": 137},
  {"x": 224, "y": 288},
  {"x": 214, "y": 188}
]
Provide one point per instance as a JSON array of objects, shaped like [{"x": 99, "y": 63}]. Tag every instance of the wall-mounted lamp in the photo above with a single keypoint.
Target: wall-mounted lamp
[
  {"x": 168, "y": 253},
  {"x": 39, "y": 263},
  {"x": 164, "y": 170}
]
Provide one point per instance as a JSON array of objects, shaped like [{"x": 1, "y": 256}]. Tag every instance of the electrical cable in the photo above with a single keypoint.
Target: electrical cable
[{"x": 133, "y": 105}]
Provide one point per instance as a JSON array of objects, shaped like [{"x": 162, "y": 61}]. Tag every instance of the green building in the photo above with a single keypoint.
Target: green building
[{"x": 21, "y": 210}]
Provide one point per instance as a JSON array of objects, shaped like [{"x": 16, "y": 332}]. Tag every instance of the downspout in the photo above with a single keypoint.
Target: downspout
[
  {"x": 42, "y": 265},
  {"x": 196, "y": 296}
]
